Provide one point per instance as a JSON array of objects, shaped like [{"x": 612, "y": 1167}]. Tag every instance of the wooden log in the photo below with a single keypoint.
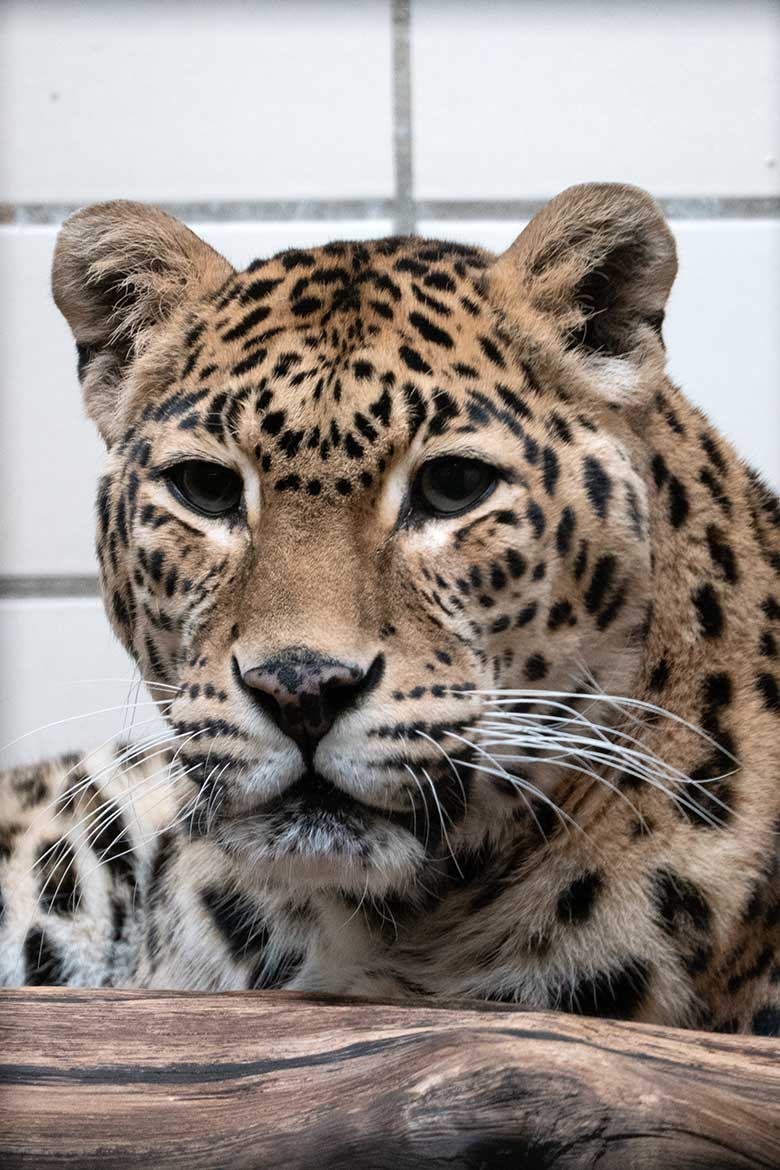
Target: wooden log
[{"x": 116, "y": 1079}]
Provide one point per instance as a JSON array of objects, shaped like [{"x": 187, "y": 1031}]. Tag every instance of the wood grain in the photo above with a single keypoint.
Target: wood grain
[{"x": 115, "y": 1079}]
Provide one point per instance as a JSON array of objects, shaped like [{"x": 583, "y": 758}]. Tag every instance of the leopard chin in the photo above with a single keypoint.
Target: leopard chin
[{"x": 317, "y": 836}]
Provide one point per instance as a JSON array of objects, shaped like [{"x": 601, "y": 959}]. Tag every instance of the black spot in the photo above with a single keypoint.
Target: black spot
[
  {"x": 766, "y": 1021},
  {"x": 613, "y": 995},
  {"x": 598, "y": 485},
  {"x": 558, "y": 427},
  {"x": 246, "y": 323},
  {"x": 288, "y": 483},
  {"x": 515, "y": 404},
  {"x": 273, "y": 422},
  {"x": 722, "y": 554},
  {"x": 56, "y": 865},
  {"x": 417, "y": 410},
  {"x": 237, "y": 919},
  {"x": 717, "y": 692},
  {"x": 407, "y": 264},
  {"x": 560, "y": 614},
  {"x": 581, "y": 563},
  {"x": 44, "y": 966},
  {"x": 767, "y": 646},
  {"x": 575, "y": 903},
  {"x": 678, "y": 503},
  {"x": 429, "y": 331},
  {"x": 306, "y": 306},
  {"x": 269, "y": 974},
  {"x": 715, "y": 487},
  {"x": 769, "y": 689},
  {"x": 445, "y": 408},
  {"x": 249, "y": 362},
  {"x": 294, "y": 258},
  {"x": 110, "y": 839},
  {"x": 163, "y": 859},
  {"x": 382, "y": 407},
  {"x": 754, "y": 971},
  {"x": 526, "y": 615},
  {"x": 497, "y": 576},
  {"x": 709, "y": 611},
  {"x": 258, "y": 290},
  {"x": 603, "y": 575},
  {"x": 771, "y": 609},
  {"x": 515, "y": 563},
  {"x": 660, "y": 470},
  {"x": 440, "y": 280},
  {"x": 710, "y": 447},
  {"x": 660, "y": 675},
  {"x": 680, "y": 904},
  {"x": 551, "y": 470},
  {"x": 535, "y": 667},
  {"x": 536, "y": 518},
  {"x": 611, "y": 611},
  {"x": 565, "y": 530},
  {"x": 492, "y": 352},
  {"x": 412, "y": 359}
]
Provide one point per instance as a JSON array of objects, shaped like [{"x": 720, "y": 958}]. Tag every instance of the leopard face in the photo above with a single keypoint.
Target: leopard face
[{"x": 358, "y": 497}]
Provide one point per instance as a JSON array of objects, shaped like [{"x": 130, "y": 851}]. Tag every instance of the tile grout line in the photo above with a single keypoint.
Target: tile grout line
[
  {"x": 403, "y": 209},
  {"x": 218, "y": 211},
  {"x": 405, "y": 218},
  {"x": 62, "y": 586},
  {"x": 675, "y": 207}
]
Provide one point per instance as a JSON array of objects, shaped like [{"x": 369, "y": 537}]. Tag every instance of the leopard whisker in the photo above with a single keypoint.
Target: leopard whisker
[
  {"x": 450, "y": 764},
  {"x": 424, "y": 801},
  {"x": 534, "y": 695},
  {"x": 519, "y": 783},
  {"x": 72, "y": 719}
]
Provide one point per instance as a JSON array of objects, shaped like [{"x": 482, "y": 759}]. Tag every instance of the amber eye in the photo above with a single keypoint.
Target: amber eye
[
  {"x": 451, "y": 484},
  {"x": 209, "y": 488}
]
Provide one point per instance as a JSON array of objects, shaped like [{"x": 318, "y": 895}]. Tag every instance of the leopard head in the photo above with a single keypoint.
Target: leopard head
[{"x": 359, "y": 500}]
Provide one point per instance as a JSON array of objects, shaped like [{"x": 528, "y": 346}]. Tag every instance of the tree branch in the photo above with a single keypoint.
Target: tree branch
[{"x": 153, "y": 1080}]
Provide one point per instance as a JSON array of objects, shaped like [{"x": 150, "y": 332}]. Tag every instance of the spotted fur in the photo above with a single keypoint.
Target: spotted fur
[{"x": 475, "y": 815}]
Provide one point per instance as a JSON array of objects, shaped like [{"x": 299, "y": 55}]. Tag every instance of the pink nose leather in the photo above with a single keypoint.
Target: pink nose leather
[{"x": 304, "y": 691}]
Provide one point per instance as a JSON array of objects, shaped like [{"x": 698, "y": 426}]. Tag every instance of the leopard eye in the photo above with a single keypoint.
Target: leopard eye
[
  {"x": 208, "y": 488},
  {"x": 450, "y": 485}
]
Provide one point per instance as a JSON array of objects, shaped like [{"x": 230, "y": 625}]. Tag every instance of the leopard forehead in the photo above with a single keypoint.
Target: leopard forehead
[{"x": 325, "y": 366}]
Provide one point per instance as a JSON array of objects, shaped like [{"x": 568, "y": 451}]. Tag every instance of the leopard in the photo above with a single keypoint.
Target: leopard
[{"x": 463, "y": 620}]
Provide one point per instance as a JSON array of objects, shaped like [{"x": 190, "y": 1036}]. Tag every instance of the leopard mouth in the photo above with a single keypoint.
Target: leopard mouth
[
  {"x": 314, "y": 833},
  {"x": 315, "y": 798}
]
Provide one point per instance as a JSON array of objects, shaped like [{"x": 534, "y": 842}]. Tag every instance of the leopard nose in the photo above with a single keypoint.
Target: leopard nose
[{"x": 304, "y": 691}]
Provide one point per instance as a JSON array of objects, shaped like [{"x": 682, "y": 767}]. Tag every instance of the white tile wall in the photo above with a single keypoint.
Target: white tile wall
[
  {"x": 51, "y": 454},
  {"x": 66, "y": 683},
  {"x": 184, "y": 99},
  {"x": 522, "y": 99},
  {"x": 721, "y": 329}
]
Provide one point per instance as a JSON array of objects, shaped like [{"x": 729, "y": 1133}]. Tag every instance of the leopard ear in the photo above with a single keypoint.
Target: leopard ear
[
  {"x": 120, "y": 270},
  {"x": 598, "y": 261}
]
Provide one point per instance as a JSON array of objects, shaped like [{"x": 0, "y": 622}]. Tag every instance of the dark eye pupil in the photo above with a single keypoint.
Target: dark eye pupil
[
  {"x": 207, "y": 487},
  {"x": 452, "y": 483}
]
